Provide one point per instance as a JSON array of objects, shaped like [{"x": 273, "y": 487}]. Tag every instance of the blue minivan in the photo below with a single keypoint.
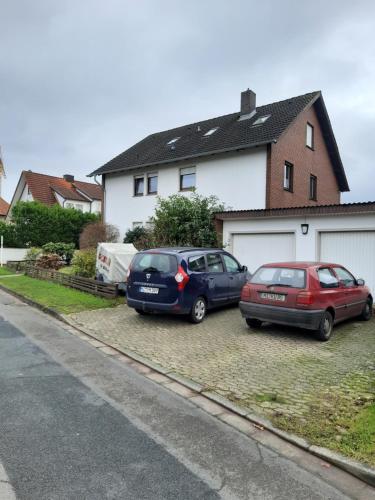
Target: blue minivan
[{"x": 184, "y": 281}]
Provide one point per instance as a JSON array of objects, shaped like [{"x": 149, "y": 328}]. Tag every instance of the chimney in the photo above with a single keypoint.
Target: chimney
[
  {"x": 68, "y": 178},
  {"x": 248, "y": 102}
]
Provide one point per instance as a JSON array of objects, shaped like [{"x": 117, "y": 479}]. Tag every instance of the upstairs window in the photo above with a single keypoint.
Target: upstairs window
[
  {"x": 288, "y": 177},
  {"x": 211, "y": 131},
  {"x": 313, "y": 187},
  {"x": 152, "y": 183},
  {"x": 187, "y": 179},
  {"x": 309, "y": 136},
  {"x": 139, "y": 184}
]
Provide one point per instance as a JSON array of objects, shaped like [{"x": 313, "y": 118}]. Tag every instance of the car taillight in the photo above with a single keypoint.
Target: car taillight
[
  {"x": 182, "y": 278},
  {"x": 246, "y": 292},
  {"x": 305, "y": 298}
]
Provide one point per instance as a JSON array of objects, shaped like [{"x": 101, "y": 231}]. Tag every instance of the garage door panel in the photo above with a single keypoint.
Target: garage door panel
[
  {"x": 353, "y": 249},
  {"x": 255, "y": 249}
]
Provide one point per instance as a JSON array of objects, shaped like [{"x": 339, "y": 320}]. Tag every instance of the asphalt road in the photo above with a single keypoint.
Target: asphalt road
[{"x": 76, "y": 424}]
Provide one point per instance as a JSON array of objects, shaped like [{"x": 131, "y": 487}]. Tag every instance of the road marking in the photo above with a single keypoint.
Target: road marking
[{"x": 6, "y": 490}]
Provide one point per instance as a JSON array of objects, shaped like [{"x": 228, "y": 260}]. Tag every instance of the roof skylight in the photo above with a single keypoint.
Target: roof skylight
[
  {"x": 261, "y": 120},
  {"x": 172, "y": 141},
  {"x": 211, "y": 131}
]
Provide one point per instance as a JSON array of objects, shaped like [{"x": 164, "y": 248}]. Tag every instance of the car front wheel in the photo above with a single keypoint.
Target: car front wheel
[
  {"x": 324, "y": 331},
  {"x": 198, "y": 311},
  {"x": 366, "y": 313},
  {"x": 253, "y": 323}
]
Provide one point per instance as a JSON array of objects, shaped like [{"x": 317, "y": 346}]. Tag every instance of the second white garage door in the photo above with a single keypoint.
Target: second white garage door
[
  {"x": 255, "y": 249},
  {"x": 353, "y": 249}
]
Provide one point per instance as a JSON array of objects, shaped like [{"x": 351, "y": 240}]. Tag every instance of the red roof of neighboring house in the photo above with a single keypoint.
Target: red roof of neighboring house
[
  {"x": 43, "y": 188},
  {"x": 4, "y": 206}
]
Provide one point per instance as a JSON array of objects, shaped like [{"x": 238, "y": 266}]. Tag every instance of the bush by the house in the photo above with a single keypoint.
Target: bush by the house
[
  {"x": 9, "y": 233},
  {"x": 97, "y": 232},
  {"x": 33, "y": 253},
  {"x": 50, "y": 261},
  {"x": 35, "y": 224},
  {"x": 186, "y": 221},
  {"x": 65, "y": 250},
  {"x": 133, "y": 235},
  {"x": 84, "y": 262}
]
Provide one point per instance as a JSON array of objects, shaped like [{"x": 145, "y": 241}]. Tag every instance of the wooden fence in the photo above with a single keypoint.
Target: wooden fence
[{"x": 107, "y": 290}]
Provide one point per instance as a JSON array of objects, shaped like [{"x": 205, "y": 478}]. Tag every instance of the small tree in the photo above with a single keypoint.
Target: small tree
[
  {"x": 186, "y": 221},
  {"x": 135, "y": 234},
  {"x": 98, "y": 232},
  {"x": 84, "y": 263}
]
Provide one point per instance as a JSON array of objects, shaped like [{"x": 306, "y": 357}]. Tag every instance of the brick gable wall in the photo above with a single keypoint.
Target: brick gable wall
[{"x": 291, "y": 147}]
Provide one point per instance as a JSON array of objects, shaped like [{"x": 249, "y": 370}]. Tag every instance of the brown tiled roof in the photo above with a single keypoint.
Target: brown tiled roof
[
  {"x": 339, "y": 209},
  {"x": 93, "y": 191},
  {"x": 43, "y": 188},
  {"x": 4, "y": 206}
]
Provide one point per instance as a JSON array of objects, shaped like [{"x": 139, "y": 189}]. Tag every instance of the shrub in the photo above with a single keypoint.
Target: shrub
[
  {"x": 33, "y": 253},
  {"x": 65, "y": 250},
  {"x": 84, "y": 262},
  {"x": 35, "y": 224},
  {"x": 135, "y": 234},
  {"x": 186, "y": 221},
  {"x": 50, "y": 261},
  {"x": 9, "y": 233},
  {"x": 97, "y": 232}
]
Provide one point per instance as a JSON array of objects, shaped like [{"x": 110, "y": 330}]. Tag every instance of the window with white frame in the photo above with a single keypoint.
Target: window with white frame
[
  {"x": 187, "y": 179},
  {"x": 288, "y": 176},
  {"x": 309, "y": 136}
]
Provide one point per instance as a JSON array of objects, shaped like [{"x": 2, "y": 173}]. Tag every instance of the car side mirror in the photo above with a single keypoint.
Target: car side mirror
[
  {"x": 244, "y": 269},
  {"x": 360, "y": 282}
]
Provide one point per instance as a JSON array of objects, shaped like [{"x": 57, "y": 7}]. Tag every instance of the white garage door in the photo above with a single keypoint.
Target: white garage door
[
  {"x": 354, "y": 250},
  {"x": 255, "y": 249}
]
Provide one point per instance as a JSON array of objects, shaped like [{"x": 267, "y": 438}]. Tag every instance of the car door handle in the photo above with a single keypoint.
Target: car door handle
[{"x": 231, "y": 277}]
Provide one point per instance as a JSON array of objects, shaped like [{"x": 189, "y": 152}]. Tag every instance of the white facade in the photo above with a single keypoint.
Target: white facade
[
  {"x": 238, "y": 180},
  {"x": 344, "y": 239}
]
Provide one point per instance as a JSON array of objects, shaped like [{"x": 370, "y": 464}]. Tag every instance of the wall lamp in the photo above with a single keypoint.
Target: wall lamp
[{"x": 304, "y": 228}]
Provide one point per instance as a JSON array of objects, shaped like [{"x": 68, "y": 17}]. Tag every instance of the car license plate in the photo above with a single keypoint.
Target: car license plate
[
  {"x": 148, "y": 289},
  {"x": 273, "y": 296}
]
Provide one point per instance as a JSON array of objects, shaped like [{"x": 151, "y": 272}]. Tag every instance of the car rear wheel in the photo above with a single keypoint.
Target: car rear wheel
[
  {"x": 198, "y": 311},
  {"x": 324, "y": 331},
  {"x": 253, "y": 323},
  {"x": 367, "y": 311}
]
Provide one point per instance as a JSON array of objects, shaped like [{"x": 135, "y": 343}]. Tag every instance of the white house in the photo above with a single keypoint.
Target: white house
[
  {"x": 278, "y": 155},
  {"x": 50, "y": 190}
]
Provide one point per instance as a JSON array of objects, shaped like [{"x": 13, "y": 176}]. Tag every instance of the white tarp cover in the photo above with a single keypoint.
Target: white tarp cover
[{"x": 112, "y": 261}]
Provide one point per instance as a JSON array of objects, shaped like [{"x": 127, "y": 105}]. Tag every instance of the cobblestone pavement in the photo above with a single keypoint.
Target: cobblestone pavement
[{"x": 274, "y": 369}]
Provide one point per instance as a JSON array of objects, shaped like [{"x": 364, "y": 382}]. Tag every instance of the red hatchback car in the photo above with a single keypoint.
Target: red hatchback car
[{"x": 311, "y": 295}]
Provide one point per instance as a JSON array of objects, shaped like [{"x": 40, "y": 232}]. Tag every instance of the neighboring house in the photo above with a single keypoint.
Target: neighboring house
[
  {"x": 4, "y": 206},
  {"x": 343, "y": 233},
  {"x": 66, "y": 191},
  {"x": 282, "y": 154}
]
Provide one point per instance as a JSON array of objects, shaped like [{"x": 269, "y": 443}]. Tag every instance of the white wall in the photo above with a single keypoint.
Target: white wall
[
  {"x": 86, "y": 205},
  {"x": 307, "y": 246},
  {"x": 238, "y": 180},
  {"x": 14, "y": 254}
]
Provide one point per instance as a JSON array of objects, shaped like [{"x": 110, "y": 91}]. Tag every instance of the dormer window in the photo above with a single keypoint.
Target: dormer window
[
  {"x": 172, "y": 141},
  {"x": 211, "y": 131},
  {"x": 261, "y": 120}
]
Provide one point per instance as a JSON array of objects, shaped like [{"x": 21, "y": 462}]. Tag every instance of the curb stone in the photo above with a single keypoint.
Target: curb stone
[{"x": 357, "y": 469}]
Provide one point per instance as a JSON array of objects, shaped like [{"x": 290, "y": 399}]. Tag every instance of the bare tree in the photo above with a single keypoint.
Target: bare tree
[{"x": 97, "y": 232}]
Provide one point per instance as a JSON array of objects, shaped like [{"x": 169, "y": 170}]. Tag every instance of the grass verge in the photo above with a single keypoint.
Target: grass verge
[
  {"x": 345, "y": 425},
  {"x": 4, "y": 271},
  {"x": 58, "y": 297}
]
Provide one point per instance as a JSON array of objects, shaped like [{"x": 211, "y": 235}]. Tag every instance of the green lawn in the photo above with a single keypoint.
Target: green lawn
[
  {"x": 4, "y": 270},
  {"x": 60, "y": 298}
]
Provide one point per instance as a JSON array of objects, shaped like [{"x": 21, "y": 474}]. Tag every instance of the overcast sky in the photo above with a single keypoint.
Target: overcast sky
[{"x": 81, "y": 81}]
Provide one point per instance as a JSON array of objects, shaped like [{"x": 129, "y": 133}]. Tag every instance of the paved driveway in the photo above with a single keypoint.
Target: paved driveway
[{"x": 274, "y": 369}]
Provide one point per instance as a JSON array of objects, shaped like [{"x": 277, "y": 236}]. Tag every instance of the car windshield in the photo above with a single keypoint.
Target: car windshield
[
  {"x": 154, "y": 263},
  {"x": 280, "y": 276}
]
